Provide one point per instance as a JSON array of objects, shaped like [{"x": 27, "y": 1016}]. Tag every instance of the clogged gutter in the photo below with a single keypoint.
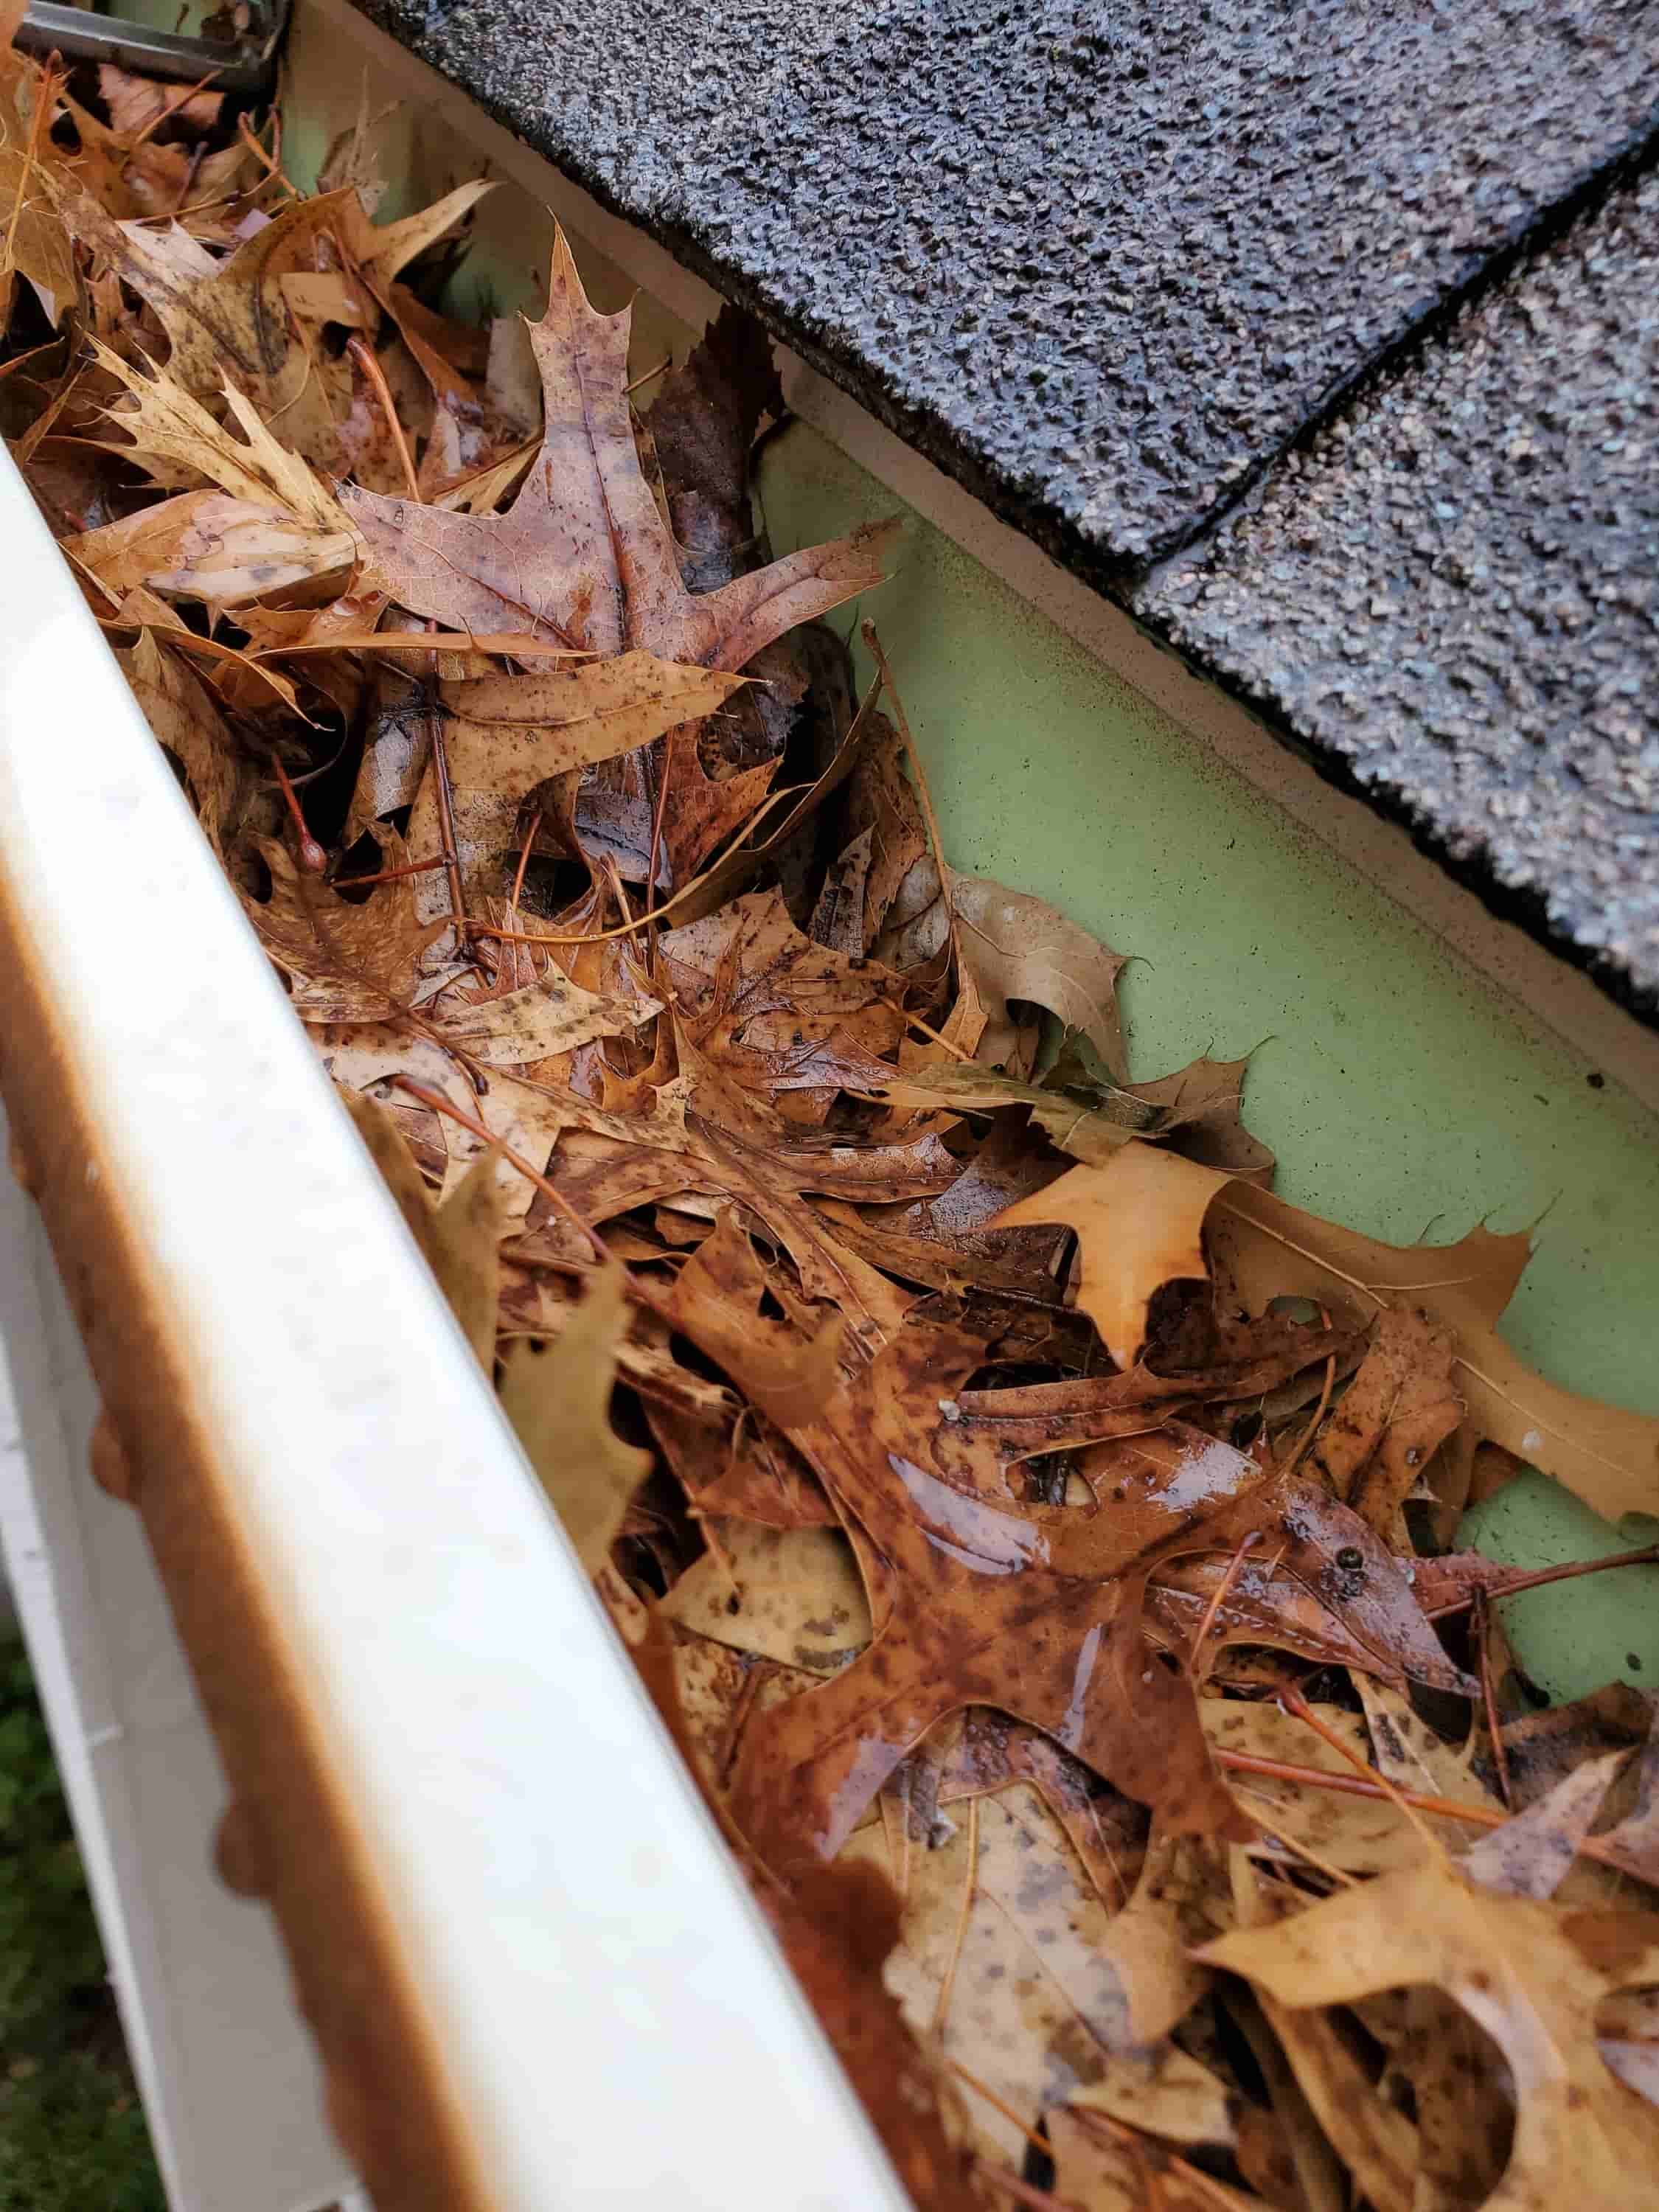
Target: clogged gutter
[{"x": 1035, "y": 1534}]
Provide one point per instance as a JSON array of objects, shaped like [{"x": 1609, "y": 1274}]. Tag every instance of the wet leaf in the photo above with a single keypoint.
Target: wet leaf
[
  {"x": 1531, "y": 1974},
  {"x": 792, "y": 1594}
]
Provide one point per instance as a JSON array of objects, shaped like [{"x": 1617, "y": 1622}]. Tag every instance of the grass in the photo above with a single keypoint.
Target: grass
[{"x": 72, "y": 2135}]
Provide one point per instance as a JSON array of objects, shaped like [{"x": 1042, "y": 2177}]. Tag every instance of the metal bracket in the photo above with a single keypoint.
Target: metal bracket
[{"x": 248, "y": 67}]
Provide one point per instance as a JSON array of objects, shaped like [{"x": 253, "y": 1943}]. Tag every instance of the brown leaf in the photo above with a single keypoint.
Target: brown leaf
[
  {"x": 998, "y": 1959},
  {"x": 1376, "y": 2142},
  {"x": 558, "y": 1399},
  {"x": 1201, "y": 1103},
  {"x": 1394, "y": 1417},
  {"x": 1608, "y": 1456},
  {"x": 1100, "y": 2167},
  {"x": 505, "y": 734},
  {"x": 1138, "y": 1221},
  {"x": 703, "y": 418},
  {"x": 344, "y": 962},
  {"x": 236, "y": 323},
  {"x": 207, "y": 546},
  {"x": 774, "y": 1011},
  {"x": 1532, "y": 1855},
  {"x": 1532, "y": 1975},
  {"x": 1016, "y": 946},
  {"x": 969, "y": 1610},
  {"x": 792, "y": 1594},
  {"x": 1097, "y": 1135},
  {"x": 459, "y": 1238},
  {"x": 583, "y": 551},
  {"x": 182, "y": 714}
]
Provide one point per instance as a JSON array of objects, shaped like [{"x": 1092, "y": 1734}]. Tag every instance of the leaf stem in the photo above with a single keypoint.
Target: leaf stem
[
  {"x": 439, "y": 1105},
  {"x": 311, "y": 857},
  {"x": 1646, "y": 1556},
  {"x": 374, "y": 377},
  {"x": 386, "y": 875}
]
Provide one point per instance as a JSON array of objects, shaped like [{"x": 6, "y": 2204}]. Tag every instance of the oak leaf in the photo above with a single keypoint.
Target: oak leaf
[
  {"x": 344, "y": 962},
  {"x": 558, "y": 1399},
  {"x": 1139, "y": 1222},
  {"x": 583, "y": 551},
  {"x": 460, "y": 1237},
  {"x": 1532, "y": 1975}
]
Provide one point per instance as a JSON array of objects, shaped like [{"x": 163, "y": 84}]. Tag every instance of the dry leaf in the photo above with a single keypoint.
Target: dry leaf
[
  {"x": 1138, "y": 1221},
  {"x": 1015, "y": 946},
  {"x": 583, "y": 553},
  {"x": 558, "y": 1399},
  {"x": 459, "y": 1238}
]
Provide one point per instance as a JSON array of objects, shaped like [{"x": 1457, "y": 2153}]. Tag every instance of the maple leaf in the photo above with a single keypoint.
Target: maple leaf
[
  {"x": 1532, "y": 1975},
  {"x": 558, "y": 1399},
  {"x": 583, "y": 551}
]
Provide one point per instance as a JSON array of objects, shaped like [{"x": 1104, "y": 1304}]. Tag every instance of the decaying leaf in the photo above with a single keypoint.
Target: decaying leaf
[
  {"x": 1532, "y": 1975},
  {"x": 459, "y": 1237},
  {"x": 792, "y": 1594},
  {"x": 558, "y": 1399},
  {"x": 583, "y": 552},
  {"x": 1029, "y": 1528}
]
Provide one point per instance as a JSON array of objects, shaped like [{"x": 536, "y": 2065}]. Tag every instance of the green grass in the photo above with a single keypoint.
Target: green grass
[{"x": 72, "y": 2135}]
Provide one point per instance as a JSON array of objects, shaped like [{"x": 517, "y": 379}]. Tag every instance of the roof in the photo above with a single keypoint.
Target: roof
[{"x": 1176, "y": 291}]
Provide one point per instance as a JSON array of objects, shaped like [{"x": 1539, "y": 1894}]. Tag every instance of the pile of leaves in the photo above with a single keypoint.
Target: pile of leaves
[{"x": 1037, "y": 1532}]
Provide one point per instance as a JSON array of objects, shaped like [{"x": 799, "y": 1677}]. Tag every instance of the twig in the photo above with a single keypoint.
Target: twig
[
  {"x": 444, "y": 795},
  {"x": 386, "y": 875},
  {"x": 983, "y": 2089},
  {"x": 1293, "y": 1702},
  {"x": 1023, "y": 2192},
  {"x": 524, "y": 859},
  {"x": 1221, "y": 1590},
  {"x": 650, "y": 376},
  {"x": 165, "y": 114},
  {"x": 867, "y": 632},
  {"x": 655, "y": 853},
  {"x": 1355, "y": 1785},
  {"x": 1312, "y": 1429}
]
